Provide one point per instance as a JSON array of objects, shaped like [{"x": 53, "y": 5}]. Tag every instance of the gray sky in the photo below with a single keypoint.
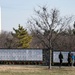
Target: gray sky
[{"x": 16, "y": 12}]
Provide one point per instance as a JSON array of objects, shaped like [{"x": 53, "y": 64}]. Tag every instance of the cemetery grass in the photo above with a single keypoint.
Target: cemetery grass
[{"x": 35, "y": 70}]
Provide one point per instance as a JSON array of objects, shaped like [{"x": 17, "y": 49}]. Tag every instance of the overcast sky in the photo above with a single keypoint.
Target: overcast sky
[{"x": 16, "y": 12}]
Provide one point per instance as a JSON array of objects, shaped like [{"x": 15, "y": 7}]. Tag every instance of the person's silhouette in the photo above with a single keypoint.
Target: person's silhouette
[
  {"x": 69, "y": 59},
  {"x": 60, "y": 58}
]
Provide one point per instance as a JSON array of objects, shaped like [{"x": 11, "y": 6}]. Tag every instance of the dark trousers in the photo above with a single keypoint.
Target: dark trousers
[
  {"x": 60, "y": 62},
  {"x": 69, "y": 63}
]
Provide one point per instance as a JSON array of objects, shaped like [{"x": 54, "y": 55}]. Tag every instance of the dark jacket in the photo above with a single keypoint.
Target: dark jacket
[{"x": 60, "y": 56}]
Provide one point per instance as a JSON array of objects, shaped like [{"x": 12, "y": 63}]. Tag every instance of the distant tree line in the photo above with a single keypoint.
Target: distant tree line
[{"x": 64, "y": 41}]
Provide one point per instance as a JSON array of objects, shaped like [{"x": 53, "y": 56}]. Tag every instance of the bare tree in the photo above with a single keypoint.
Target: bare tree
[
  {"x": 46, "y": 26},
  {"x": 7, "y": 40}
]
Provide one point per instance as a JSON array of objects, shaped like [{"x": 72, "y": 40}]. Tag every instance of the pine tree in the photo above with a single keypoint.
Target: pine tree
[{"x": 23, "y": 37}]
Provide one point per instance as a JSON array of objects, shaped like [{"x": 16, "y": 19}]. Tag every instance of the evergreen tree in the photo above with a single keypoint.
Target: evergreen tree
[{"x": 23, "y": 37}]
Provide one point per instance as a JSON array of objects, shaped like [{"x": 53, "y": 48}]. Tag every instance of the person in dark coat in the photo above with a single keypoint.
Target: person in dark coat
[
  {"x": 69, "y": 59},
  {"x": 60, "y": 58}
]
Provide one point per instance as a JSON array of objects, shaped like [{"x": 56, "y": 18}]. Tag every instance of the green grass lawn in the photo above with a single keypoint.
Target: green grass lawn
[{"x": 35, "y": 70}]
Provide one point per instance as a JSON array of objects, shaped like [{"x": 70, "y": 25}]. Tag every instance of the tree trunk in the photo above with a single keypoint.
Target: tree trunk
[{"x": 50, "y": 59}]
